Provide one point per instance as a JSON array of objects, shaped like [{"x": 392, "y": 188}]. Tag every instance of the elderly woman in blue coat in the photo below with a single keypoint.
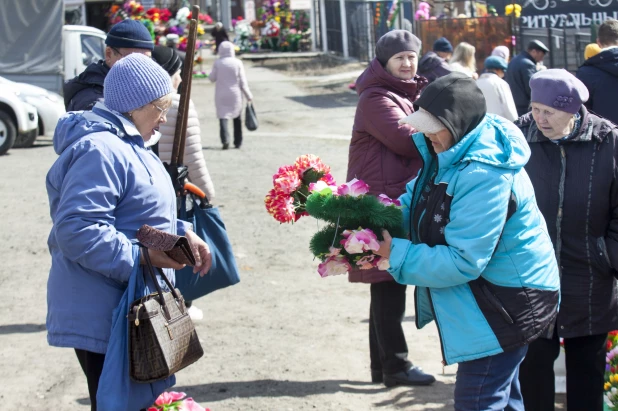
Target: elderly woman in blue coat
[
  {"x": 104, "y": 186},
  {"x": 479, "y": 252}
]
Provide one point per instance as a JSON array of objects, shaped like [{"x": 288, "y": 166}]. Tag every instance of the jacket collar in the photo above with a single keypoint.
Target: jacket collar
[
  {"x": 534, "y": 135},
  {"x": 124, "y": 127},
  {"x": 528, "y": 56}
]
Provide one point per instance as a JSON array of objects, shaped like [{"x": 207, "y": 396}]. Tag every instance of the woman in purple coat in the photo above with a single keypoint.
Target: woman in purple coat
[{"x": 382, "y": 154}]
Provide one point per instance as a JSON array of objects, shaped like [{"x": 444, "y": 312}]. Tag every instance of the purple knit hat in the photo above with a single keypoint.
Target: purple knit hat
[{"x": 559, "y": 89}]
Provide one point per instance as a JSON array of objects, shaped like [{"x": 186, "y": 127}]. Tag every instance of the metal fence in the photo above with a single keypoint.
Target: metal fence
[
  {"x": 484, "y": 33},
  {"x": 366, "y": 23},
  {"x": 566, "y": 46}
]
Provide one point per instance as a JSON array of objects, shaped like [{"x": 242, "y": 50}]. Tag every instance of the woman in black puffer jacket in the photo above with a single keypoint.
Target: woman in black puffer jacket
[{"x": 574, "y": 174}]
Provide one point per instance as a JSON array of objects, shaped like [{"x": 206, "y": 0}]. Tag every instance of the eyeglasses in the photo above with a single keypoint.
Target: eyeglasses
[{"x": 163, "y": 111}]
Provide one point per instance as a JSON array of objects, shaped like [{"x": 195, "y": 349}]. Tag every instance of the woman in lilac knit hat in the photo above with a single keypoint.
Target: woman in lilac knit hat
[{"x": 573, "y": 171}]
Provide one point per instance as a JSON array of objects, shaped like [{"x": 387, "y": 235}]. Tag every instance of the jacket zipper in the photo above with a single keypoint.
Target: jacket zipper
[
  {"x": 433, "y": 311},
  {"x": 560, "y": 206}
]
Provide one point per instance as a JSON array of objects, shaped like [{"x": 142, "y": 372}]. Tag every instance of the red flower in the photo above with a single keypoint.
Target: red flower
[{"x": 307, "y": 161}]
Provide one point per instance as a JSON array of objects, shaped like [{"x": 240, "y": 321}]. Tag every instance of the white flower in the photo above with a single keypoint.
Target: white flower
[
  {"x": 442, "y": 230},
  {"x": 437, "y": 218}
]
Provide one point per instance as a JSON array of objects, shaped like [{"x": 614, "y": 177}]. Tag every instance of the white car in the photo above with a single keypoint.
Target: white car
[
  {"x": 49, "y": 107},
  {"x": 18, "y": 119}
]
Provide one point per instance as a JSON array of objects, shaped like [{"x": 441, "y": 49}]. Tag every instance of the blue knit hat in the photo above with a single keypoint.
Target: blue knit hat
[
  {"x": 130, "y": 34},
  {"x": 134, "y": 81},
  {"x": 495, "y": 62},
  {"x": 442, "y": 44}
]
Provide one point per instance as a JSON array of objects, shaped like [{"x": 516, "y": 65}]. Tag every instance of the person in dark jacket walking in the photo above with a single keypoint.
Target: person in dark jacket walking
[
  {"x": 573, "y": 171},
  {"x": 600, "y": 73},
  {"x": 219, "y": 34},
  {"x": 382, "y": 154},
  {"x": 434, "y": 64},
  {"x": 126, "y": 37},
  {"x": 520, "y": 71}
]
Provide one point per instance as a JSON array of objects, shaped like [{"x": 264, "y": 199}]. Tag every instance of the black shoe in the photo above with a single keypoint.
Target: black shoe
[
  {"x": 377, "y": 377},
  {"x": 414, "y": 376},
  {"x": 226, "y": 146},
  {"x": 236, "y": 146}
]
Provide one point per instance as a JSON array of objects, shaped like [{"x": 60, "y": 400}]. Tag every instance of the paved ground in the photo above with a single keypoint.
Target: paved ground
[{"x": 282, "y": 339}]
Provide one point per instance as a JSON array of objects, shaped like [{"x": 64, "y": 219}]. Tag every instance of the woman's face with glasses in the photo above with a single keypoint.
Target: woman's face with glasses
[{"x": 148, "y": 118}]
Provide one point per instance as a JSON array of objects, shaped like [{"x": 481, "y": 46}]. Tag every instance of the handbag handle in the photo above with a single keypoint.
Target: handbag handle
[{"x": 150, "y": 268}]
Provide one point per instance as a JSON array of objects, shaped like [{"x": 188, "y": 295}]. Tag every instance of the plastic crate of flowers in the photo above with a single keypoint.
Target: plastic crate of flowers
[{"x": 354, "y": 219}]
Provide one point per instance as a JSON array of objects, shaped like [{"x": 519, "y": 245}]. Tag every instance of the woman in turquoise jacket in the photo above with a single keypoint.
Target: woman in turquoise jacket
[{"x": 479, "y": 252}]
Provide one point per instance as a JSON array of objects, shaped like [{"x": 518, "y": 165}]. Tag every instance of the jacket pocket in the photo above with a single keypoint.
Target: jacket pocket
[
  {"x": 496, "y": 304},
  {"x": 602, "y": 247},
  {"x": 599, "y": 259}
]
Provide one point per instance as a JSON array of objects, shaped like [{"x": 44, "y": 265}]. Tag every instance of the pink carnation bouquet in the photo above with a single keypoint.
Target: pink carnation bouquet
[{"x": 286, "y": 201}]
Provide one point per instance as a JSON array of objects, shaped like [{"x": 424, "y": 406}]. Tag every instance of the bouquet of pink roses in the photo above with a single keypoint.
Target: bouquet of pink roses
[
  {"x": 176, "y": 401},
  {"x": 354, "y": 217}
]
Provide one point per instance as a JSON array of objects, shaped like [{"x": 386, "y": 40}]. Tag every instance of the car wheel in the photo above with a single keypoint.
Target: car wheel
[
  {"x": 8, "y": 132},
  {"x": 26, "y": 140}
]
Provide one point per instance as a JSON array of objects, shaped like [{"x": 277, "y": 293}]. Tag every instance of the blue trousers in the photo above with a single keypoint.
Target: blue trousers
[{"x": 490, "y": 383}]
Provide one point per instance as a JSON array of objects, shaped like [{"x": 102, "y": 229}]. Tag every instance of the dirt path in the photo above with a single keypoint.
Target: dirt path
[{"x": 282, "y": 339}]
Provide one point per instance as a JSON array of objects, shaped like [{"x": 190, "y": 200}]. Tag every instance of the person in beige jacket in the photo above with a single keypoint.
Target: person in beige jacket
[{"x": 169, "y": 59}]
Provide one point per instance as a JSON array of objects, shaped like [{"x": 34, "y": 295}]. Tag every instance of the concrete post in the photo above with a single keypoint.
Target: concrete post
[
  {"x": 312, "y": 25},
  {"x": 323, "y": 26},
  {"x": 344, "y": 28}
]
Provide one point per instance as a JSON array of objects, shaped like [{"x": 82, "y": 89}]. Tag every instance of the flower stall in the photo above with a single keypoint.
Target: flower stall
[
  {"x": 166, "y": 26},
  {"x": 279, "y": 28}
]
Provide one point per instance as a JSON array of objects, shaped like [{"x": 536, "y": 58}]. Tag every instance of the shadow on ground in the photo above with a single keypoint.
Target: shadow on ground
[
  {"x": 21, "y": 328},
  {"x": 220, "y": 391},
  {"x": 409, "y": 318},
  {"x": 335, "y": 100}
]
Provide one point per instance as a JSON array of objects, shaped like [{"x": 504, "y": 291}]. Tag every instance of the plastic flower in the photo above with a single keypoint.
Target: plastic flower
[
  {"x": 323, "y": 188},
  {"x": 366, "y": 262},
  {"x": 280, "y": 206},
  {"x": 167, "y": 398},
  {"x": 329, "y": 179},
  {"x": 286, "y": 180},
  {"x": 307, "y": 161},
  {"x": 335, "y": 265},
  {"x": 386, "y": 200},
  {"x": 382, "y": 264},
  {"x": 353, "y": 188},
  {"x": 359, "y": 241}
]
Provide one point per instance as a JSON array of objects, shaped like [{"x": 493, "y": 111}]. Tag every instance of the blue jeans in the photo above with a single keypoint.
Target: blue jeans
[{"x": 490, "y": 383}]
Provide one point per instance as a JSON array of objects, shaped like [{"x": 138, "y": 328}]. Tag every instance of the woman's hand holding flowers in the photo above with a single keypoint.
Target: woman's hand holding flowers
[{"x": 385, "y": 246}]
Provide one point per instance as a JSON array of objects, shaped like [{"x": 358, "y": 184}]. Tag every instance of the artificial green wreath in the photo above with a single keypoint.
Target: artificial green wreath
[{"x": 349, "y": 213}]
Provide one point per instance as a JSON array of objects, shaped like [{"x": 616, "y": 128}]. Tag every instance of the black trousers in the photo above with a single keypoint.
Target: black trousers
[
  {"x": 387, "y": 343},
  {"x": 225, "y": 134},
  {"x": 92, "y": 365},
  {"x": 585, "y": 367}
]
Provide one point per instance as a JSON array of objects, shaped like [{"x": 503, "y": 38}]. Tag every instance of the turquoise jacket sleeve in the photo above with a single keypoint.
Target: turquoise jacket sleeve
[
  {"x": 406, "y": 199},
  {"x": 85, "y": 219},
  {"x": 477, "y": 217}
]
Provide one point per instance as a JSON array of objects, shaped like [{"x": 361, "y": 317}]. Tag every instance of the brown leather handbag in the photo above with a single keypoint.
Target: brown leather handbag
[{"x": 162, "y": 337}]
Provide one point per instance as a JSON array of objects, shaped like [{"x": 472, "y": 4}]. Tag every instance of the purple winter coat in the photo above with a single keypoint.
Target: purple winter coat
[{"x": 382, "y": 153}]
